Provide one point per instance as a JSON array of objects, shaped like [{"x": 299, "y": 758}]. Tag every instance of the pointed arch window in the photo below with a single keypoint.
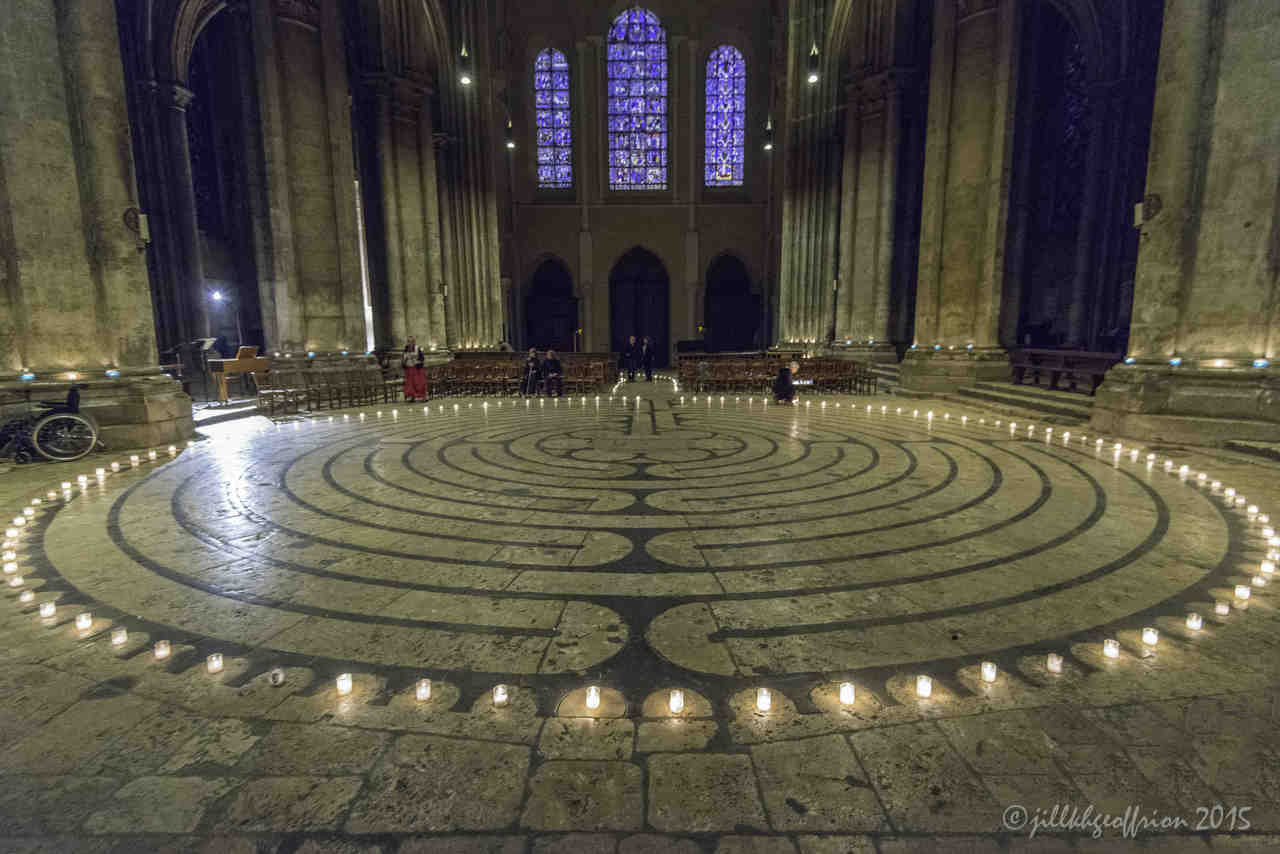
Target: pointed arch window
[
  {"x": 726, "y": 117},
  {"x": 554, "y": 150},
  {"x": 637, "y": 72}
]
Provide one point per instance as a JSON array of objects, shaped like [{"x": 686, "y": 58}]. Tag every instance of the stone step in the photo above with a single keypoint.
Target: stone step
[
  {"x": 1071, "y": 398},
  {"x": 1043, "y": 408}
]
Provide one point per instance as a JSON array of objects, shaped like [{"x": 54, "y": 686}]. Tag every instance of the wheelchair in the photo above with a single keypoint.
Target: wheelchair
[{"x": 56, "y": 431}]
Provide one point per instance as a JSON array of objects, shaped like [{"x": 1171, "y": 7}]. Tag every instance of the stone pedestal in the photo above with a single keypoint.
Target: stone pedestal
[
  {"x": 132, "y": 411},
  {"x": 881, "y": 352},
  {"x": 1189, "y": 404},
  {"x": 933, "y": 372}
]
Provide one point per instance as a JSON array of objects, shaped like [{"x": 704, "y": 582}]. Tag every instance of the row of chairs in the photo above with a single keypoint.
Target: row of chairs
[
  {"x": 757, "y": 375},
  {"x": 506, "y": 376},
  {"x": 313, "y": 387}
]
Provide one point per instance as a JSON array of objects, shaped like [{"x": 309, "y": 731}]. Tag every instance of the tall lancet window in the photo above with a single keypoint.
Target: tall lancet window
[
  {"x": 637, "y": 66},
  {"x": 726, "y": 117},
  {"x": 551, "y": 105}
]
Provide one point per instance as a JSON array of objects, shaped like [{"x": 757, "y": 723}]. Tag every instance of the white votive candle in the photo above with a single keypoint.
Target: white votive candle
[
  {"x": 119, "y": 635},
  {"x": 15, "y": 581},
  {"x": 151, "y": 455},
  {"x": 423, "y": 689},
  {"x": 84, "y": 621},
  {"x": 500, "y": 695},
  {"x": 115, "y": 466},
  {"x": 344, "y": 683},
  {"x": 1150, "y": 636},
  {"x": 763, "y": 700},
  {"x": 1111, "y": 648},
  {"x": 846, "y": 693},
  {"x": 675, "y": 701},
  {"x": 214, "y": 662},
  {"x": 989, "y": 671},
  {"x": 10, "y": 567},
  {"x": 924, "y": 685},
  {"x": 1242, "y": 591},
  {"x": 1222, "y": 609},
  {"x": 162, "y": 649},
  {"x": 27, "y": 596},
  {"x": 133, "y": 459},
  {"x": 1194, "y": 621}
]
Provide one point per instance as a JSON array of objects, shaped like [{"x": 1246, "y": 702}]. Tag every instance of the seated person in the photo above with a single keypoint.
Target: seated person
[
  {"x": 784, "y": 391},
  {"x": 553, "y": 375}
]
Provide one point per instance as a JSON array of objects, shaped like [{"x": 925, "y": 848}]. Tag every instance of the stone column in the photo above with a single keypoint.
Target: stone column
[
  {"x": 869, "y": 220},
  {"x": 432, "y": 246},
  {"x": 171, "y": 102},
  {"x": 73, "y": 288},
  {"x": 966, "y": 197},
  {"x": 1206, "y": 291}
]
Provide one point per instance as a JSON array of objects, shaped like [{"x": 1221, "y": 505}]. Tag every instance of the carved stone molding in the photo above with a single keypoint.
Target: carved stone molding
[
  {"x": 869, "y": 94},
  {"x": 970, "y": 8},
  {"x": 172, "y": 95},
  {"x": 407, "y": 95},
  {"x": 303, "y": 12}
]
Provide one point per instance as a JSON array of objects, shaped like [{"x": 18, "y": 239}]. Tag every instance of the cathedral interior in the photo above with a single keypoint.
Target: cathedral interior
[{"x": 473, "y": 426}]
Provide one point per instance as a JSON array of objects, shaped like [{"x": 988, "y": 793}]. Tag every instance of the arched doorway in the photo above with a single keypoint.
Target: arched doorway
[
  {"x": 732, "y": 311},
  {"x": 638, "y": 300},
  {"x": 550, "y": 308}
]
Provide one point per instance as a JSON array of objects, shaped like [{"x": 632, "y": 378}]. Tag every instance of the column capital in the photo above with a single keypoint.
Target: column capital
[
  {"x": 407, "y": 95},
  {"x": 173, "y": 95}
]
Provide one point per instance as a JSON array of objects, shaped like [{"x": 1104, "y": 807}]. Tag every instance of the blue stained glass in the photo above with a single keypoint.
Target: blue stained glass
[
  {"x": 637, "y": 69},
  {"x": 554, "y": 154},
  {"x": 726, "y": 115}
]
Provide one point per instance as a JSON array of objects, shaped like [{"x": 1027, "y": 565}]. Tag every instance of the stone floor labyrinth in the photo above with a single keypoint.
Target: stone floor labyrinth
[
  {"x": 719, "y": 546},
  {"x": 620, "y": 537}
]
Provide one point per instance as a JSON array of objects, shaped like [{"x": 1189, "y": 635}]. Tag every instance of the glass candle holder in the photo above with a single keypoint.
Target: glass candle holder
[
  {"x": 27, "y": 596},
  {"x": 48, "y": 610},
  {"x": 214, "y": 662},
  {"x": 989, "y": 671},
  {"x": 343, "y": 684},
  {"x": 115, "y": 467},
  {"x": 162, "y": 649},
  {"x": 151, "y": 455},
  {"x": 1150, "y": 636},
  {"x": 675, "y": 701},
  {"x": 119, "y": 636},
  {"x": 15, "y": 581},
  {"x": 1222, "y": 609},
  {"x": 500, "y": 693},
  {"x": 1242, "y": 591},
  {"x": 846, "y": 693},
  {"x": 1194, "y": 621},
  {"x": 764, "y": 701},
  {"x": 1111, "y": 648},
  {"x": 422, "y": 690},
  {"x": 593, "y": 697},
  {"x": 84, "y": 621},
  {"x": 924, "y": 686}
]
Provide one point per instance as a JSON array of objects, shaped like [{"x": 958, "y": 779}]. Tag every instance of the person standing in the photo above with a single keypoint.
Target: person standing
[
  {"x": 646, "y": 358},
  {"x": 631, "y": 356},
  {"x": 532, "y": 373},
  {"x": 553, "y": 375},
  {"x": 415, "y": 374}
]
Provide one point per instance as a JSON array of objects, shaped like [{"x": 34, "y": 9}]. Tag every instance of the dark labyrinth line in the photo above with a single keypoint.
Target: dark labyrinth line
[{"x": 1157, "y": 533}]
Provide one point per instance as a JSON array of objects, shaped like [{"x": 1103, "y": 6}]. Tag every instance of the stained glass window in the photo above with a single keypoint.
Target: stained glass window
[
  {"x": 637, "y": 57},
  {"x": 551, "y": 110},
  {"x": 726, "y": 117}
]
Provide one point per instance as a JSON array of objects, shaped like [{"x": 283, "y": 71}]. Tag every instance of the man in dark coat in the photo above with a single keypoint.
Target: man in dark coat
[
  {"x": 784, "y": 391},
  {"x": 631, "y": 356},
  {"x": 532, "y": 373},
  {"x": 646, "y": 359}
]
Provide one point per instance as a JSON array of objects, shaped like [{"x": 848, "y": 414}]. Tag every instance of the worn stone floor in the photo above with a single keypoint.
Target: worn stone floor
[{"x": 608, "y": 551}]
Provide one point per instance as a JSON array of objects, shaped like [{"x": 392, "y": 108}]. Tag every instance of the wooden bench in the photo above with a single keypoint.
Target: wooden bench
[{"x": 1077, "y": 367}]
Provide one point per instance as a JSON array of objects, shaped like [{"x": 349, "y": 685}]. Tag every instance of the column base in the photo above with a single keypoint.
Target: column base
[
  {"x": 880, "y": 354},
  {"x": 131, "y": 411},
  {"x": 1157, "y": 402},
  {"x": 933, "y": 372}
]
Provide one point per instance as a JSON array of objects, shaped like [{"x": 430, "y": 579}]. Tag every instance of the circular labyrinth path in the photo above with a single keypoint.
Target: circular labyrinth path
[{"x": 643, "y": 541}]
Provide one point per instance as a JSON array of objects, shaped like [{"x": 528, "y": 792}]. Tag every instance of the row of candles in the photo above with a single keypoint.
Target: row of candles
[{"x": 989, "y": 670}]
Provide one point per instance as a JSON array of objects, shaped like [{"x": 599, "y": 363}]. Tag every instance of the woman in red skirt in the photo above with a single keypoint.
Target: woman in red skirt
[{"x": 415, "y": 376}]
